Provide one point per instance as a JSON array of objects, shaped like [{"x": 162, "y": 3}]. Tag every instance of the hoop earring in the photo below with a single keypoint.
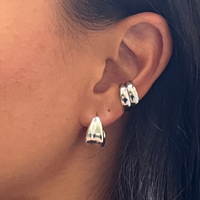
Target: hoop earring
[
  {"x": 129, "y": 95},
  {"x": 95, "y": 133}
]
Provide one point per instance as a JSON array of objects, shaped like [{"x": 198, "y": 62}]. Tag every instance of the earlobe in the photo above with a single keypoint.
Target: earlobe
[{"x": 144, "y": 47}]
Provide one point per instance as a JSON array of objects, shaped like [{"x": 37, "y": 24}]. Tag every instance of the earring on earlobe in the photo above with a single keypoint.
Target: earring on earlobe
[
  {"x": 95, "y": 133},
  {"x": 129, "y": 95}
]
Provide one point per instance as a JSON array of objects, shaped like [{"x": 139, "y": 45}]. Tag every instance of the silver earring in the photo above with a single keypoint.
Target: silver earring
[
  {"x": 95, "y": 133},
  {"x": 129, "y": 95}
]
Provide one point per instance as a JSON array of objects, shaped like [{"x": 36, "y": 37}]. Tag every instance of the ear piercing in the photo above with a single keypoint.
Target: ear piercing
[
  {"x": 95, "y": 133},
  {"x": 129, "y": 95}
]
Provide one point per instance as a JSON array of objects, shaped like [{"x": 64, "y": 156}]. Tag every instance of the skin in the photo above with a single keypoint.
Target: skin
[
  {"x": 47, "y": 99},
  {"x": 39, "y": 90}
]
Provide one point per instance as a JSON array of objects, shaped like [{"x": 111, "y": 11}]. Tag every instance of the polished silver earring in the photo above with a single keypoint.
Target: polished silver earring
[
  {"x": 95, "y": 133},
  {"x": 129, "y": 95}
]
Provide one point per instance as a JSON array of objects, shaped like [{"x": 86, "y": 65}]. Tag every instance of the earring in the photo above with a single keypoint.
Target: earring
[
  {"x": 95, "y": 133},
  {"x": 129, "y": 95}
]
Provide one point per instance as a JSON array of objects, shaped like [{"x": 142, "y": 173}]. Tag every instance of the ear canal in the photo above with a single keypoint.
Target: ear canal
[{"x": 95, "y": 133}]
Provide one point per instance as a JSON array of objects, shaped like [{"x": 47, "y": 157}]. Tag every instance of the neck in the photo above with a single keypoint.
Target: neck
[{"x": 87, "y": 176}]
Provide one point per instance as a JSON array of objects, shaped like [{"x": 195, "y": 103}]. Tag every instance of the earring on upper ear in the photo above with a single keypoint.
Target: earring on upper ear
[
  {"x": 95, "y": 133},
  {"x": 129, "y": 95}
]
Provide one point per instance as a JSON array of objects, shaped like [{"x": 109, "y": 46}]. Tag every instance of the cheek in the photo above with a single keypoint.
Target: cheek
[{"x": 34, "y": 106}]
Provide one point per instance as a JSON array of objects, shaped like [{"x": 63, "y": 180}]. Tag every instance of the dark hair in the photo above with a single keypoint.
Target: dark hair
[{"x": 161, "y": 153}]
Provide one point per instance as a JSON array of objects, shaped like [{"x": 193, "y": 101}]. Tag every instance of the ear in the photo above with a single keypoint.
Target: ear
[{"x": 139, "y": 50}]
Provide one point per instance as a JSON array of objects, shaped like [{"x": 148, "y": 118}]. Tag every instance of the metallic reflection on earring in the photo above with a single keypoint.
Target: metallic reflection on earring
[
  {"x": 132, "y": 92},
  {"x": 125, "y": 97},
  {"x": 95, "y": 133},
  {"x": 129, "y": 95}
]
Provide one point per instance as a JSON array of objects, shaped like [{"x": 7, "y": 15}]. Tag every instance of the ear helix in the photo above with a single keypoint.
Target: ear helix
[{"x": 129, "y": 97}]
